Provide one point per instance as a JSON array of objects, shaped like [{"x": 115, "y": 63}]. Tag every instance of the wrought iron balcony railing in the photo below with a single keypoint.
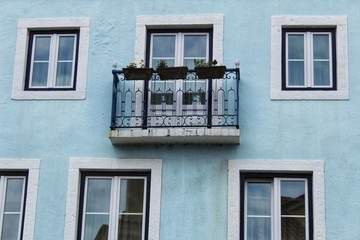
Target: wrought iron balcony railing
[{"x": 189, "y": 102}]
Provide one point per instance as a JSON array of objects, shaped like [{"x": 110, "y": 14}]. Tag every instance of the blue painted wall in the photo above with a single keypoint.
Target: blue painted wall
[{"x": 194, "y": 191}]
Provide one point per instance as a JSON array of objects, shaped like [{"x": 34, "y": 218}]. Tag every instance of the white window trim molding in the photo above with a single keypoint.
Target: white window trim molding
[
  {"x": 33, "y": 168},
  {"x": 341, "y": 24},
  {"x": 216, "y": 21},
  {"x": 24, "y": 25},
  {"x": 316, "y": 167},
  {"x": 112, "y": 164}
]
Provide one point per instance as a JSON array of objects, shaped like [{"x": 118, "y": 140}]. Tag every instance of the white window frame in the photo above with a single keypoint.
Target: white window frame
[
  {"x": 114, "y": 204},
  {"x": 179, "y": 45},
  {"x": 178, "y": 84},
  {"x": 315, "y": 167},
  {"x": 275, "y": 215},
  {"x": 24, "y": 27},
  {"x": 342, "y": 85},
  {"x": 32, "y": 166},
  {"x": 76, "y": 165},
  {"x": 53, "y": 60},
  {"x": 309, "y": 60}
]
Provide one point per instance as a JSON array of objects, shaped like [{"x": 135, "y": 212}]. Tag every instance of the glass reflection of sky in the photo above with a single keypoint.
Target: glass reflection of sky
[
  {"x": 164, "y": 46},
  {"x": 42, "y": 49},
  {"x": 98, "y": 195},
  {"x": 259, "y": 198},
  {"x": 296, "y": 46},
  {"x": 292, "y": 189},
  {"x": 195, "y": 46}
]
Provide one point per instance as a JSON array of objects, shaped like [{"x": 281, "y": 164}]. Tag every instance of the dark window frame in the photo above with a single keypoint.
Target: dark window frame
[
  {"x": 29, "y": 54},
  {"x": 245, "y": 176},
  {"x": 331, "y": 30},
  {"x": 85, "y": 174}
]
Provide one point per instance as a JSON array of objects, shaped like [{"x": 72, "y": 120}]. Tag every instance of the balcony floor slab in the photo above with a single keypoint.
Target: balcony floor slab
[{"x": 175, "y": 136}]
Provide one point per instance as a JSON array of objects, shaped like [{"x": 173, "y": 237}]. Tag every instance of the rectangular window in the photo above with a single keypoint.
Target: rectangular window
[
  {"x": 52, "y": 60},
  {"x": 308, "y": 59},
  {"x": 276, "y": 207},
  {"x": 179, "y": 48},
  {"x": 12, "y": 201},
  {"x": 114, "y": 206}
]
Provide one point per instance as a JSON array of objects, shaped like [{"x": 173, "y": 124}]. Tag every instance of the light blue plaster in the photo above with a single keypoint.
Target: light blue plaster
[{"x": 194, "y": 192}]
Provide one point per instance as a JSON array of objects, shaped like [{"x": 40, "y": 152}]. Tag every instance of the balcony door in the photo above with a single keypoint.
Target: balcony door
[{"x": 179, "y": 97}]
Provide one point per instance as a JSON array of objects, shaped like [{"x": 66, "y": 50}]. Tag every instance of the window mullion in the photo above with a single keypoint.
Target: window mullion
[
  {"x": 114, "y": 208},
  {"x": 306, "y": 210},
  {"x": 208, "y": 48},
  {"x": 276, "y": 214},
  {"x": 331, "y": 60},
  {"x": 53, "y": 61},
  {"x": 21, "y": 207},
  {"x": 179, "y": 50},
  {"x": 73, "y": 61},
  {"x": 309, "y": 60}
]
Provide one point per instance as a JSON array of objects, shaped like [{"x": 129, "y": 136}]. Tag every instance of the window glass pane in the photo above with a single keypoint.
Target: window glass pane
[
  {"x": 64, "y": 74},
  {"x": 96, "y": 226},
  {"x": 259, "y": 198},
  {"x": 190, "y": 62},
  {"x": 195, "y": 46},
  {"x": 296, "y": 73},
  {"x": 98, "y": 195},
  {"x": 131, "y": 195},
  {"x": 295, "y": 46},
  {"x": 293, "y": 229},
  {"x": 292, "y": 197},
  {"x": 13, "y": 198},
  {"x": 42, "y": 48},
  {"x": 321, "y": 46},
  {"x": 66, "y": 48},
  {"x": 97, "y": 208},
  {"x": 163, "y": 46},
  {"x": 259, "y": 228},
  {"x": 169, "y": 62},
  {"x": 130, "y": 227},
  {"x": 321, "y": 73},
  {"x": 40, "y": 74},
  {"x": 10, "y": 228}
]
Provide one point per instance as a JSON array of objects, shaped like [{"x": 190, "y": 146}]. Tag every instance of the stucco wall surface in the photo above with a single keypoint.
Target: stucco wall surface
[{"x": 194, "y": 181}]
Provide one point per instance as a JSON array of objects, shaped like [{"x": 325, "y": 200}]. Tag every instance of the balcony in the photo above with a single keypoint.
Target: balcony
[{"x": 180, "y": 111}]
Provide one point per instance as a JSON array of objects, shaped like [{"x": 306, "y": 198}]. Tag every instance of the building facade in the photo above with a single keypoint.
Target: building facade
[{"x": 268, "y": 149}]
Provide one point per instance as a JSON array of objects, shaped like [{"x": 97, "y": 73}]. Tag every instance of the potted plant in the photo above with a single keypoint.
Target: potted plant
[
  {"x": 206, "y": 70},
  {"x": 133, "y": 72},
  {"x": 166, "y": 72}
]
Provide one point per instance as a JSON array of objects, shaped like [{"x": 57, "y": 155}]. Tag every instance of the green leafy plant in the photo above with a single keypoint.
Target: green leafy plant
[
  {"x": 202, "y": 63},
  {"x": 162, "y": 64},
  {"x": 133, "y": 64}
]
